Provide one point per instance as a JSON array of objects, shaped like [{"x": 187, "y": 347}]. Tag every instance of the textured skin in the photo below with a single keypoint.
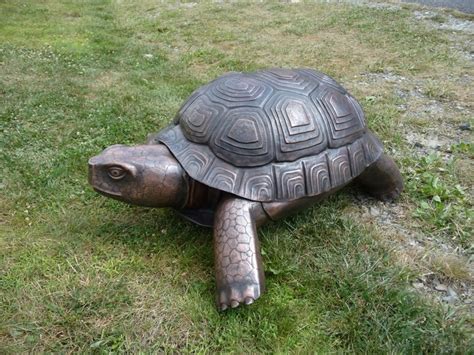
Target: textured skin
[
  {"x": 239, "y": 272},
  {"x": 272, "y": 135}
]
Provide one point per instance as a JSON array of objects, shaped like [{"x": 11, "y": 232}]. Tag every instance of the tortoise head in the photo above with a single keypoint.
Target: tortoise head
[{"x": 145, "y": 175}]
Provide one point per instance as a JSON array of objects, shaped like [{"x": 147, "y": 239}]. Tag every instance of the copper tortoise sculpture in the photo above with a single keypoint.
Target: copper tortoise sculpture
[{"x": 245, "y": 149}]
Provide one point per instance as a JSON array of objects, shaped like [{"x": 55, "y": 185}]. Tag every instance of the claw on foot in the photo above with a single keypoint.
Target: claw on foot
[
  {"x": 233, "y": 297},
  {"x": 248, "y": 300}
]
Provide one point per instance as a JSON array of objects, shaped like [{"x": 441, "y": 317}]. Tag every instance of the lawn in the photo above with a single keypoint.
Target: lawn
[{"x": 80, "y": 272}]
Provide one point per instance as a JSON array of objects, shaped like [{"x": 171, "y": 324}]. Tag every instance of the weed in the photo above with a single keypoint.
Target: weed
[
  {"x": 438, "y": 92},
  {"x": 438, "y": 18},
  {"x": 444, "y": 205},
  {"x": 465, "y": 148}
]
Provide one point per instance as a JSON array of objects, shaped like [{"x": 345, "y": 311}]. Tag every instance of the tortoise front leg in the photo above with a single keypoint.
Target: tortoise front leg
[{"x": 239, "y": 271}]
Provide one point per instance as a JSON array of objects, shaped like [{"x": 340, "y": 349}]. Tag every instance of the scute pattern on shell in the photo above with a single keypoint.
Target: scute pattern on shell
[{"x": 273, "y": 135}]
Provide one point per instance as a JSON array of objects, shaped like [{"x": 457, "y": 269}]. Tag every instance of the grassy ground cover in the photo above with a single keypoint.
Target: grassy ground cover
[{"x": 82, "y": 273}]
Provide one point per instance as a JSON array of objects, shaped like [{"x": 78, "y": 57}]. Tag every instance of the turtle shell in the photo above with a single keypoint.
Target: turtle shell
[{"x": 272, "y": 135}]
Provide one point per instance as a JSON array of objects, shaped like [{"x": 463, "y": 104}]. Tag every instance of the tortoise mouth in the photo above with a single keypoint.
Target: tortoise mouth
[{"x": 106, "y": 192}]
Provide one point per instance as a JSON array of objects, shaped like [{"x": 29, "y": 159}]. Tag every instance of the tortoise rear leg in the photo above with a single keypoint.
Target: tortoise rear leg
[
  {"x": 239, "y": 270},
  {"x": 382, "y": 179}
]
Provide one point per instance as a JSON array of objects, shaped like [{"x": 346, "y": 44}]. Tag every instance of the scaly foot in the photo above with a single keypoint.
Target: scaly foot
[
  {"x": 237, "y": 293},
  {"x": 239, "y": 272}
]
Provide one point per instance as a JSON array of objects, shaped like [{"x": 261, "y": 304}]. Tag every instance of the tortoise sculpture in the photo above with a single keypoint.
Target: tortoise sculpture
[{"x": 245, "y": 149}]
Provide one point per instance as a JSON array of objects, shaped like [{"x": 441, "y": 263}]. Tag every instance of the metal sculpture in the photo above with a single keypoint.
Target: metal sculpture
[{"x": 246, "y": 149}]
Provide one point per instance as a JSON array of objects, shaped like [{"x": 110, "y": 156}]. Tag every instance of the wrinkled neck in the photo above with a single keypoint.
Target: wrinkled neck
[{"x": 175, "y": 182}]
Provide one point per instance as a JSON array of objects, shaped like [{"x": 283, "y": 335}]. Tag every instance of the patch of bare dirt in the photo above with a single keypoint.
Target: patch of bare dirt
[
  {"x": 445, "y": 21},
  {"x": 459, "y": 31},
  {"x": 446, "y": 272},
  {"x": 427, "y": 124}
]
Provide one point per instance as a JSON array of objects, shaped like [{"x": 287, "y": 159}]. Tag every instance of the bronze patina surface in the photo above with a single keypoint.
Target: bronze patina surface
[{"x": 246, "y": 149}]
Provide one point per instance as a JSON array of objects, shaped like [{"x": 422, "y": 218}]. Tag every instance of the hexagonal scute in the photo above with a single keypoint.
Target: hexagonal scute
[
  {"x": 344, "y": 117},
  {"x": 244, "y": 138},
  {"x": 289, "y": 80},
  {"x": 194, "y": 95},
  {"x": 298, "y": 126},
  {"x": 236, "y": 89},
  {"x": 199, "y": 118},
  {"x": 322, "y": 79}
]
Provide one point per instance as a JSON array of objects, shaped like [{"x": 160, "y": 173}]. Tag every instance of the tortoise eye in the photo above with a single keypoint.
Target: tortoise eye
[{"x": 116, "y": 172}]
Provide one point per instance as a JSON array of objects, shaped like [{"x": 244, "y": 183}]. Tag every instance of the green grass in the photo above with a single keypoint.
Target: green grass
[
  {"x": 83, "y": 273},
  {"x": 442, "y": 201}
]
